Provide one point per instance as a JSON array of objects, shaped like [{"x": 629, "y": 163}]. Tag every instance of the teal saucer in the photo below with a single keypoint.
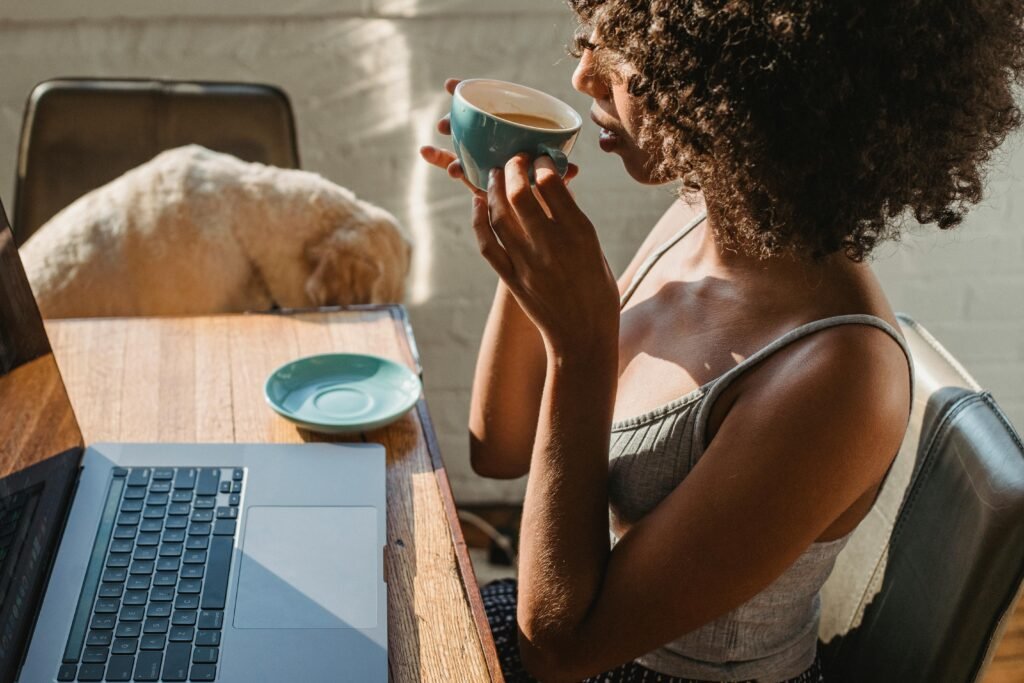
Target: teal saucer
[{"x": 339, "y": 393}]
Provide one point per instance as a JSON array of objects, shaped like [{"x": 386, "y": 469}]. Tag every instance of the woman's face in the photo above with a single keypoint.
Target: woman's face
[{"x": 615, "y": 112}]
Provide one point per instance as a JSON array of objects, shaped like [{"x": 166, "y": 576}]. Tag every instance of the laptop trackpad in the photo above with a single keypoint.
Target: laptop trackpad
[{"x": 308, "y": 567}]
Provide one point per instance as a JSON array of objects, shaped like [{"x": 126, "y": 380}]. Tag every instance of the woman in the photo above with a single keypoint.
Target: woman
[{"x": 737, "y": 397}]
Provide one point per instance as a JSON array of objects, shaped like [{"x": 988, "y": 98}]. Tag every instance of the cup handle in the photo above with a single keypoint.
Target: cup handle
[{"x": 557, "y": 156}]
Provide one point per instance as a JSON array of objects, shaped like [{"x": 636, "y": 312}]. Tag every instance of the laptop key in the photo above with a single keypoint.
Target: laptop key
[
  {"x": 124, "y": 533},
  {"x": 135, "y": 493},
  {"x": 128, "y": 629},
  {"x": 236, "y": 487},
  {"x": 205, "y": 503},
  {"x": 181, "y": 496},
  {"x": 227, "y": 513},
  {"x": 154, "y": 511},
  {"x": 200, "y": 529},
  {"x": 147, "y": 667},
  {"x": 176, "y": 660},
  {"x": 160, "y": 487},
  {"x": 139, "y": 582},
  {"x": 192, "y": 571},
  {"x": 203, "y": 672},
  {"x": 119, "y": 560},
  {"x": 197, "y": 543},
  {"x": 121, "y": 546},
  {"x": 224, "y": 527},
  {"x": 139, "y": 476},
  {"x": 161, "y": 594},
  {"x": 91, "y": 672},
  {"x": 237, "y": 474},
  {"x": 174, "y": 536},
  {"x": 225, "y": 486},
  {"x": 132, "y": 613},
  {"x": 146, "y": 552},
  {"x": 165, "y": 577},
  {"x": 189, "y": 586},
  {"x": 152, "y": 524},
  {"x": 177, "y": 509},
  {"x": 124, "y": 646},
  {"x": 101, "y": 638},
  {"x": 163, "y": 474},
  {"x": 195, "y": 556},
  {"x": 202, "y": 516},
  {"x": 206, "y": 485},
  {"x": 155, "y": 625},
  {"x": 107, "y": 606},
  {"x": 135, "y": 598},
  {"x": 111, "y": 590},
  {"x": 128, "y": 519},
  {"x": 215, "y": 591},
  {"x": 234, "y": 499},
  {"x": 185, "y": 478},
  {"x": 148, "y": 538},
  {"x": 155, "y": 641},
  {"x": 211, "y": 620},
  {"x": 179, "y": 522},
  {"x": 158, "y": 609},
  {"x": 97, "y": 654},
  {"x": 103, "y": 622},
  {"x": 181, "y": 634},
  {"x": 115, "y": 574},
  {"x": 132, "y": 505},
  {"x": 120, "y": 667},
  {"x": 143, "y": 567},
  {"x": 170, "y": 550},
  {"x": 67, "y": 672},
  {"x": 158, "y": 498},
  {"x": 167, "y": 564},
  {"x": 208, "y": 638},
  {"x": 185, "y": 601},
  {"x": 184, "y": 618},
  {"x": 204, "y": 655}
]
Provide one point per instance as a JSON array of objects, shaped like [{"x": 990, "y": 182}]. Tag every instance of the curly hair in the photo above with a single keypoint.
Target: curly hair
[{"x": 816, "y": 126}]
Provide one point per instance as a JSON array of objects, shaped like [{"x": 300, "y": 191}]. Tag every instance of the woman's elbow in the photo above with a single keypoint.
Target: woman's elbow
[
  {"x": 550, "y": 663},
  {"x": 486, "y": 464}
]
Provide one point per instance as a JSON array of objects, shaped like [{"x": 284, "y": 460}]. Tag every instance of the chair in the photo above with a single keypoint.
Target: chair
[
  {"x": 929, "y": 580},
  {"x": 79, "y": 134}
]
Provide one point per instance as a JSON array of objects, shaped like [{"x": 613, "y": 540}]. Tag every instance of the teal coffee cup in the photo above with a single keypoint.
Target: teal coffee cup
[{"x": 492, "y": 121}]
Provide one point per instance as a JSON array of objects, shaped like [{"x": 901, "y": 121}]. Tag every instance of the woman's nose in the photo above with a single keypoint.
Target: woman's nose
[{"x": 585, "y": 79}]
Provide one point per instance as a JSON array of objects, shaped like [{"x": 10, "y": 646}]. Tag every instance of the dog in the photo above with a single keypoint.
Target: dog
[{"x": 194, "y": 231}]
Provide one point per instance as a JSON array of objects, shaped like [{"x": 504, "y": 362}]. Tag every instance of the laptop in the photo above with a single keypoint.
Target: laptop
[{"x": 176, "y": 562}]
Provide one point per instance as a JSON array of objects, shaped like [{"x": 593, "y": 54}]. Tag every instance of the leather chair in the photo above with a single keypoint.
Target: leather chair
[
  {"x": 79, "y": 134},
  {"x": 928, "y": 582}
]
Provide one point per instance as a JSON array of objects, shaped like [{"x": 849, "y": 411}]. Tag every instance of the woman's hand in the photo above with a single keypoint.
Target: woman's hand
[
  {"x": 547, "y": 253},
  {"x": 447, "y": 160}
]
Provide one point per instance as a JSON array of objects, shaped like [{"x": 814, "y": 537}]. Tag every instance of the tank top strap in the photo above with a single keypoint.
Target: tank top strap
[
  {"x": 657, "y": 254},
  {"x": 720, "y": 384}
]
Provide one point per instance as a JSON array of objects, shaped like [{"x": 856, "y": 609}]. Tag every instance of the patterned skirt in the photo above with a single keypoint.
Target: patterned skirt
[{"x": 500, "y": 605}]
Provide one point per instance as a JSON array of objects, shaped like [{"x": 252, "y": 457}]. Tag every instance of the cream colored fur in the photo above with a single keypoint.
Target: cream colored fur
[{"x": 194, "y": 231}]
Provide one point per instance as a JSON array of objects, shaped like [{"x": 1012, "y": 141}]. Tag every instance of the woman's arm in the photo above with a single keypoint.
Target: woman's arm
[{"x": 507, "y": 389}]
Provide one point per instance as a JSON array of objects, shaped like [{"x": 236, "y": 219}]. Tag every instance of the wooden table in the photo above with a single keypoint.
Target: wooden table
[{"x": 200, "y": 379}]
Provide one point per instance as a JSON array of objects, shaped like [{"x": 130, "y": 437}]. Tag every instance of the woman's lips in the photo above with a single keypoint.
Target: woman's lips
[{"x": 608, "y": 138}]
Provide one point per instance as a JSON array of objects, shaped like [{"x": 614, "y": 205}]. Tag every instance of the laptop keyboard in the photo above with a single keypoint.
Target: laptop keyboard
[{"x": 152, "y": 604}]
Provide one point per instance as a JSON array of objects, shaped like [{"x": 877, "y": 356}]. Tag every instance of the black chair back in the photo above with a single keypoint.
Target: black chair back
[
  {"x": 929, "y": 581},
  {"x": 79, "y": 134}
]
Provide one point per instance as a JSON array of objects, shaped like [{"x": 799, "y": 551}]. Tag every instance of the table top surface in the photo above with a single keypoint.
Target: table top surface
[{"x": 200, "y": 379}]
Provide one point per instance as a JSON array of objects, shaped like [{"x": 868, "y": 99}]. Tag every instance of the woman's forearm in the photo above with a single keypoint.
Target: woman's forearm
[
  {"x": 507, "y": 388},
  {"x": 565, "y": 542}
]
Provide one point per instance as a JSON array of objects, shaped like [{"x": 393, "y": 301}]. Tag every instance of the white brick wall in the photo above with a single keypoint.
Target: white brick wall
[{"x": 365, "y": 80}]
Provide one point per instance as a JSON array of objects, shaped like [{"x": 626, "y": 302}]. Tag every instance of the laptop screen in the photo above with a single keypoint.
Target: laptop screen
[{"x": 40, "y": 449}]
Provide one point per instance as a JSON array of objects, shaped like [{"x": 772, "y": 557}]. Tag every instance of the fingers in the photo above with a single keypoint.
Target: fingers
[
  {"x": 571, "y": 173},
  {"x": 555, "y": 193},
  {"x": 450, "y": 84},
  {"x": 436, "y": 156},
  {"x": 444, "y": 126},
  {"x": 502, "y": 216},
  {"x": 490, "y": 249},
  {"x": 520, "y": 194}
]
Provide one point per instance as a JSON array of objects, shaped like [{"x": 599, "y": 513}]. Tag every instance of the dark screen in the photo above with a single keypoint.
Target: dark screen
[{"x": 40, "y": 449}]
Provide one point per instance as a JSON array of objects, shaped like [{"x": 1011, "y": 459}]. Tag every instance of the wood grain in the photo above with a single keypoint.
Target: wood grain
[
  {"x": 201, "y": 379},
  {"x": 1008, "y": 664}
]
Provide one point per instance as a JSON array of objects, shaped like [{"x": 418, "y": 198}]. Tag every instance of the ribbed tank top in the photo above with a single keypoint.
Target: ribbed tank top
[{"x": 773, "y": 636}]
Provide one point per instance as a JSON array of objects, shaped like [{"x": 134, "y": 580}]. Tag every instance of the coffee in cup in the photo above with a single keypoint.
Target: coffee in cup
[{"x": 492, "y": 121}]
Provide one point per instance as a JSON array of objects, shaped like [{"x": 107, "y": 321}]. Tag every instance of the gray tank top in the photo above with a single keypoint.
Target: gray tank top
[{"x": 773, "y": 636}]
